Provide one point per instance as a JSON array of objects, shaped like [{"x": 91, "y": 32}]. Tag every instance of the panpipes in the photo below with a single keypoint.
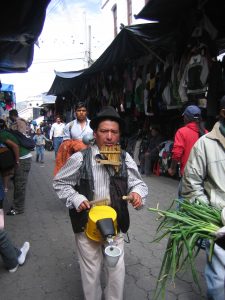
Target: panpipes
[{"x": 110, "y": 156}]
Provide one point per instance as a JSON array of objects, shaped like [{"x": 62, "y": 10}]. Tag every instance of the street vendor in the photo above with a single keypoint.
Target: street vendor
[
  {"x": 203, "y": 180},
  {"x": 84, "y": 179}
]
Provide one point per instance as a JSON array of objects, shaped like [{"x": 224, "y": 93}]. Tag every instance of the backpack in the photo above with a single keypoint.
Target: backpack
[
  {"x": 70, "y": 127},
  {"x": 23, "y": 140}
]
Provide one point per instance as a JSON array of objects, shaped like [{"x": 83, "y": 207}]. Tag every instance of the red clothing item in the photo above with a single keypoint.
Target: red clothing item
[
  {"x": 184, "y": 140},
  {"x": 66, "y": 149}
]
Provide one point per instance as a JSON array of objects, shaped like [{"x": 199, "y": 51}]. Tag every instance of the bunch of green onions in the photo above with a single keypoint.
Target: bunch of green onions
[{"x": 193, "y": 222}]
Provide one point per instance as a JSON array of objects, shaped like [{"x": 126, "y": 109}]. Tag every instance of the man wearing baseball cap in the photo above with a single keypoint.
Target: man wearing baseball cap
[
  {"x": 203, "y": 180},
  {"x": 186, "y": 137}
]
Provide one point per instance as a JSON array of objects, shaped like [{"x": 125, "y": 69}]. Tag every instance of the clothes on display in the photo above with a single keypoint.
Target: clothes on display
[{"x": 7, "y": 98}]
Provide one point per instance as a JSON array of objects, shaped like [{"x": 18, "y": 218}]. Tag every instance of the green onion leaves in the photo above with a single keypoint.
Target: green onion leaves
[{"x": 184, "y": 228}]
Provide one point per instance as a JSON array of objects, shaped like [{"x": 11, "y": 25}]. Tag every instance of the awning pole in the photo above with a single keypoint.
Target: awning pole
[{"x": 150, "y": 50}]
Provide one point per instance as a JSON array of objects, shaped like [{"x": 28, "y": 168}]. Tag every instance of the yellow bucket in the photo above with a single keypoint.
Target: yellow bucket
[{"x": 97, "y": 213}]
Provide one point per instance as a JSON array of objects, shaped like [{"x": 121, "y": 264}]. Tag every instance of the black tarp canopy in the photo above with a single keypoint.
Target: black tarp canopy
[
  {"x": 64, "y": 82},
  {"x": 132, "y": 42},
  {"x": 186, "y": 14},
  {"x": 21, "y": 23}
]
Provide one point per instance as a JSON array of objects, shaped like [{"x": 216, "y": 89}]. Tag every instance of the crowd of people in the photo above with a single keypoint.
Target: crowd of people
[{"x": 83, "y": 173}]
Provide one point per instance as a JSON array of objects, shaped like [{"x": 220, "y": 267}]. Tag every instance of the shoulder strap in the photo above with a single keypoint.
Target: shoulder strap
[{"x": 70, "y": 127}]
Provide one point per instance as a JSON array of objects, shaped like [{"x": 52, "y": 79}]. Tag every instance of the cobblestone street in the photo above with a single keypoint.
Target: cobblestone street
[{"x": 51, "y": 271}]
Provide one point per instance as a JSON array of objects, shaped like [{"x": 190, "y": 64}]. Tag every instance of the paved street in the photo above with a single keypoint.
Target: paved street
[{"x": 51, "y": 271}]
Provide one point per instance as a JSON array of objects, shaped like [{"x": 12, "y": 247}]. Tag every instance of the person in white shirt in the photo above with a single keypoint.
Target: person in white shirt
[
  {"x": 56, "y": 134},
  {"x": 79, "y": 127},
  {"x": 74, "y": 132}
]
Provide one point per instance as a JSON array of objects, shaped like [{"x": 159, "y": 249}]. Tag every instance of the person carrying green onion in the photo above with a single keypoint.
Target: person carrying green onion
[{"x": 203, "y": 180}]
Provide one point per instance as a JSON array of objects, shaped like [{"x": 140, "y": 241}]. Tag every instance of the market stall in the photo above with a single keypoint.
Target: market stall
[
  {"x": 150, "y": 72},
  {"x": 7, "y": 98}
]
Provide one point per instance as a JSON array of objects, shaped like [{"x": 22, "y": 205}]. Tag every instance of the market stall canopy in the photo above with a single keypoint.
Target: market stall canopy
[
  {"x": 47, "y": 100},
  {"x": 63, "y": 82},
  {"x": 186, "y": 15},
  {"x": 21, "y": 23},
  {"x": 132, "y": 42}
]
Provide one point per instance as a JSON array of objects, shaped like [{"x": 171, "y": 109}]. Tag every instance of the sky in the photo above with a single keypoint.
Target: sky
[{"x": 63, "y": 45}]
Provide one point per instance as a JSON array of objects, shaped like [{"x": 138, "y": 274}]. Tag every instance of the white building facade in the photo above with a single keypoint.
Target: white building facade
[
  {"x": 30, "y": 109},
  {"x": 118, "y": 12}
]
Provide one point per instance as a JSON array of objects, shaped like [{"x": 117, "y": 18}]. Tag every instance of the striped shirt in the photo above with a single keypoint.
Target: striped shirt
[{"x": 69, "y": 176}]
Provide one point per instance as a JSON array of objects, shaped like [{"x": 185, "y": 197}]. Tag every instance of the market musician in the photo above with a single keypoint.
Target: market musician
[{"x": 102, "y": 171}]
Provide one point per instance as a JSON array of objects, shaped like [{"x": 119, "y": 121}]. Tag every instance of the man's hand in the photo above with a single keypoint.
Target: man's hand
[
  {"x": 173, "y": 168},
  {"x": 220, "y": 241},
  {"x": 171, "y": 171},
  {"x": 136, "y": 202},
  {"x": 84, "y": 206}
]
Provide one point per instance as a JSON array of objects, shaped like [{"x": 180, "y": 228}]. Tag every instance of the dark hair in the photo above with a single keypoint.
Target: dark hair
[
  {"x": 201, "y": 127},
  {"x": 13, "y": 112},
  {"x": 222, "y": 103},
  {"x": 80, "y": 104}
]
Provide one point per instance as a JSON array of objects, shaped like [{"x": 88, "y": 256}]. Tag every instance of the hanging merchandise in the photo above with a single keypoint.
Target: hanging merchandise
[
  {"x": 165, "y": 87},
  {"x": 128, "y": 86},
  {"x": 194, "y": 79},
  {"x": 197, "y": 73},
  {"x": 215, "y": 88},
  {"x": 138, "y": 92},
  {"x": 146, "y": 102},
  {"x": 150, "y": 93},
  {"x": 7, "y": 96},
  {"x": 175, "y": 86},
  {"x": 138, "y": 95},
  {"x": 166, "y": 95}
]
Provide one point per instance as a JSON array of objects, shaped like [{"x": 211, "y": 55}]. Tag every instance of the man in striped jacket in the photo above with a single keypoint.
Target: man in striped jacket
[{"x": 82, "y": 180}]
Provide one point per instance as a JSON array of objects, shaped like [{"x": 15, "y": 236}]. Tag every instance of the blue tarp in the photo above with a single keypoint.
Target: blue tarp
[{"x": 7, "y": 87}]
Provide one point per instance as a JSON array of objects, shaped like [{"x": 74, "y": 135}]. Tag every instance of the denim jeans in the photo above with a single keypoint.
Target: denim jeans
[
  {"x": 215, "y": 273},
  {"x": 40, "y": 152},
  {"x": 8, "y": 252},
  {"x": 57, "y": 141}
]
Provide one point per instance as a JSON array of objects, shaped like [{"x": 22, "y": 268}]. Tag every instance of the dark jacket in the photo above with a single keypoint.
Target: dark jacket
[{"x": 118, "y": 188}]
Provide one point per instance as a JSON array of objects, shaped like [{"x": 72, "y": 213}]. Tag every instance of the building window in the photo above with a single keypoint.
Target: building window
[
  {"x": 129, "y": 12},
  {"x": 114, "y": 11}
]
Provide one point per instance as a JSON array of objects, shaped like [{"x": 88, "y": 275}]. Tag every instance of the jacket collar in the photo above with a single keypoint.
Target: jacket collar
[{"x": 215, "y": 134}]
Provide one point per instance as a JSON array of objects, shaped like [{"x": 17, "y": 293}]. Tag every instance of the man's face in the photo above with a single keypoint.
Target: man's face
[
  {"x": 81, "y": 114},
  {"x": 107, "y": 133},
  {"x": 58, "y": 120}
]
